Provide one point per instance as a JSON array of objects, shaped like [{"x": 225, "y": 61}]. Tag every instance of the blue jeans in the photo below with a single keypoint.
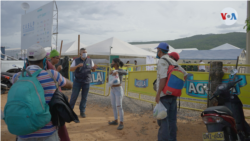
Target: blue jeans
[
  {"x": 75, "y": 92},
  {"x": 167, "y": 131},
  {"x": 116, "y": 95}
]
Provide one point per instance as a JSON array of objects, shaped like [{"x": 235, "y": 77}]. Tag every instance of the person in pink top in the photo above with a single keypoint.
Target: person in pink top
[{"x": 55, "y": 57}]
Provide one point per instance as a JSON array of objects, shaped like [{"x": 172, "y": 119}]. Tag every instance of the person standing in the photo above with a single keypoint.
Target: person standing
[
  {"x": 136, "y": 68},
  {"x": 168, "y": 126},
  {"x": 36, "y": 57},
  {"x": 202, "y": 67},
  {"x": 208, "y": 67},
  {"x": 117, "y": 93},
  {"x": 54, "y": 59},
  {"x": 82, "y": 67}
]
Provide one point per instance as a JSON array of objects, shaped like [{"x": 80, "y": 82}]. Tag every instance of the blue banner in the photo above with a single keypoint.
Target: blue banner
[
  {"x": 194, "y": 87},
  {"x": 141, "y": 83},
  {"x": 97, "y": 78}
]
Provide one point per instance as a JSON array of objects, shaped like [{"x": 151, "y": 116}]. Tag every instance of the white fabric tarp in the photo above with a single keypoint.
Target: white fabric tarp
[
  {"x": 70, "y": 48},
  {"x": 120, "y": 48}
]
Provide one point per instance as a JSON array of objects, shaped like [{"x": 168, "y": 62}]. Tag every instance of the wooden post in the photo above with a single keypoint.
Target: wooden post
[
  {"x": 78, "y": 45},
  {"x": 61, "y": 48},
  {"x": 216, "y": 74}
]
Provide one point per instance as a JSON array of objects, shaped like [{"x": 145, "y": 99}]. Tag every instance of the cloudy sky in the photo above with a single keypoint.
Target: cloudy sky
[{"x": 128, "y": 21}]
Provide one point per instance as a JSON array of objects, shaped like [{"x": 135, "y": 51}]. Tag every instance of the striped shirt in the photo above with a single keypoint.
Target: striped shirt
[{"x": 49, "y": 87}]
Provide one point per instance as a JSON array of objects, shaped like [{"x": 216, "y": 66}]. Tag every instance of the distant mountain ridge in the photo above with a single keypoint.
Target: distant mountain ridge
[{"x": 205, "y": 42}]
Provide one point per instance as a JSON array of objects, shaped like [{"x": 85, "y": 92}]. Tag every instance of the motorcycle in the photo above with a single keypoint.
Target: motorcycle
[
  {"x": 226, "y": 121},
  {"x": 6, "y": 80}
]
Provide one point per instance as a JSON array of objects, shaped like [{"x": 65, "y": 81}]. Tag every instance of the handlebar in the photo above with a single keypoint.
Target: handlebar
[
  {"x": 212, "y": 97},
  {"x": 231, "y": 85},
  {"x": 238, "y": 81}
]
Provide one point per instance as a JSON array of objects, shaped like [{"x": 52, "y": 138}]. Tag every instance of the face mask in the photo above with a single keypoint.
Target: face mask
[
  {"x": 84, "y": 55},
  {"x": 157, "y": 55}
]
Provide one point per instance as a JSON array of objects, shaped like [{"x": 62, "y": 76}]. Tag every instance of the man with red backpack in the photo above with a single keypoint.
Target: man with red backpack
[{"x": 168, "y": 127}]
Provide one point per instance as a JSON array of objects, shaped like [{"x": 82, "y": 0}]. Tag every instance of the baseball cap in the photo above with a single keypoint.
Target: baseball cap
[
  {"x": 175, "y": 55},
  {"x": 163, "y": 46},
  {"x": 54, "y": 53},
  {"x": 36, "y": 52}
]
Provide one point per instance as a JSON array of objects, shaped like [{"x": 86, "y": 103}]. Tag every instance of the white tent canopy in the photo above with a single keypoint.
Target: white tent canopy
[
  {"x": 70, "y": 48},
  {"x": 225, "y": 46},
  {"x": 120, "y": 48}
]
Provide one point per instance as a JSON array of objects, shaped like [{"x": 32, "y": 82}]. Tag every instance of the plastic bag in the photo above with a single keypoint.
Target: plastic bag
[
  {"x": 1, "y": 114},
  {"x": 114, "y": 80},
  {"x": 160, "y": 112}
]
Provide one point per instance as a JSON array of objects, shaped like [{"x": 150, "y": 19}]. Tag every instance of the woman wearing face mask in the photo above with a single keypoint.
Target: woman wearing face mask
[{"x": 117, "y": 93}]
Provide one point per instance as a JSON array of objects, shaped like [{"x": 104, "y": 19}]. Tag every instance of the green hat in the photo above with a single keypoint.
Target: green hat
[{"x": 54, "y": 53}]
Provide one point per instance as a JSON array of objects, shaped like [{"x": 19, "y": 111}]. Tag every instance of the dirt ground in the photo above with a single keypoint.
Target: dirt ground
[{"x": 136, "y": 127}]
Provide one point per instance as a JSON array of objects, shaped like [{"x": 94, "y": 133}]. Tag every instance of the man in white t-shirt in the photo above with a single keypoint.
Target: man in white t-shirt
[
  {"x": 82, "y": 68},
  {"x": 202, "y": 67}
]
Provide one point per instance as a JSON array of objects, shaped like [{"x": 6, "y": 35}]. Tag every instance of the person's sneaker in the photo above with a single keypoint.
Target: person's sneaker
[
  {"x": 113, "y": 123},
  {"x": 120, "y": 127},
  {"x": 83, "y": 115}
]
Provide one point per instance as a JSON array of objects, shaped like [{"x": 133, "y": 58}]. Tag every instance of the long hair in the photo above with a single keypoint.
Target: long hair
[{"x": 118, "y": 61}]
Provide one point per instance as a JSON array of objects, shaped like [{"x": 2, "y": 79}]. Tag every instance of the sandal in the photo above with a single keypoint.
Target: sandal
[{"x": 113, "y": 123}]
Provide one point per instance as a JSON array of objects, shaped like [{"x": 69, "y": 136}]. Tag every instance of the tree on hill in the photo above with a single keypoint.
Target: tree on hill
[{"x": 205, "y": 42}]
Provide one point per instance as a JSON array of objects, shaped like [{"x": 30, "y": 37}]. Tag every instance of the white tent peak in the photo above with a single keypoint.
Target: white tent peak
[
  {"x": 71, "y": 47},
  {"x": 225, "y": 46},
  {"x": 119, "y": 47}
]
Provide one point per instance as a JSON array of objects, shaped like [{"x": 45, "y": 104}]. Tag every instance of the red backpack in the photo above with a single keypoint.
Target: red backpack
[{"x": 175, "y": 80}]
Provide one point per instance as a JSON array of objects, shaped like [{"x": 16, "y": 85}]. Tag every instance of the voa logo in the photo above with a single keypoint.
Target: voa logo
[{"x": 229, "y": 16}]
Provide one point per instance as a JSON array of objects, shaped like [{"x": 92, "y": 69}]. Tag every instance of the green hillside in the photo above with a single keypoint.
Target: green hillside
[{"x": 205, "y": 42}]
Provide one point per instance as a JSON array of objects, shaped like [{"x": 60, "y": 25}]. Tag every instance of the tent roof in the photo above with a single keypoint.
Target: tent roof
[
  {"x": 119, "y": 47},
  {"x": 70, "y": 48},
  {"x": 225, "y": 46},
  {"x": 231, "y": 54}
]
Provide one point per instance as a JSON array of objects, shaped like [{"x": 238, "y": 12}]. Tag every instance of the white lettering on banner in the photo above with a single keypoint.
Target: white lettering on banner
[
  {"x": 99, "y": 77},
  {"x": 192, "y": 88},
  {"x": 199, "y": 88},
  {"x": 93, "y": 78},
  {"x": 141, "y": 83}
]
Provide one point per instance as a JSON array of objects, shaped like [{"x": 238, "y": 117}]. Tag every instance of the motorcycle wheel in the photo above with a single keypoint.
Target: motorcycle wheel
[{"x": 229, "y": 137}]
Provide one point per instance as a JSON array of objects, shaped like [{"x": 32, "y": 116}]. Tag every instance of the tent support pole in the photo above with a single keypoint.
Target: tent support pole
[{"x": 61, "y": 48}]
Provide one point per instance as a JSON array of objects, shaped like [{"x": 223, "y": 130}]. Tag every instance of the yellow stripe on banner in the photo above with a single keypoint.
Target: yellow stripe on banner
[{"x": 178, "y": 74}]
